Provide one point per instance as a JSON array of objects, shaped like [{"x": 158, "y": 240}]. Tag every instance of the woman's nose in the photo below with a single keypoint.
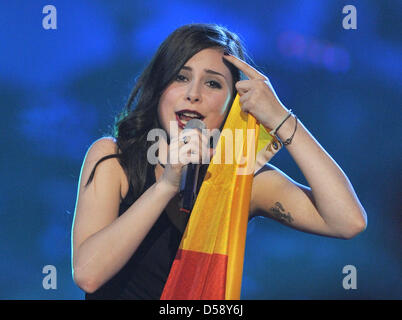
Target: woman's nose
[
  {"x": 192, "y": 98},
  {"x": 193, "y": 94}
]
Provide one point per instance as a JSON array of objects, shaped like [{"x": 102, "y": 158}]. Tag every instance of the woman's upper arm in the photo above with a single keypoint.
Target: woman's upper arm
[
  {"x": 277, "y": 196},
  {"x": 98, "y": 203}
]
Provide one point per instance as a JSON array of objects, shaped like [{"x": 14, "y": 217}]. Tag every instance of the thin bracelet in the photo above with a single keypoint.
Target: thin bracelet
[
  {"x": 274, "y": 131},
  {"x": 289, "y": 140}
]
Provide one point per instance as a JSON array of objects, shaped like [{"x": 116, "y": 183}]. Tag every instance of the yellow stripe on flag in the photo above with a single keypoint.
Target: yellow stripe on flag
[{"x": 218, "y": 221}]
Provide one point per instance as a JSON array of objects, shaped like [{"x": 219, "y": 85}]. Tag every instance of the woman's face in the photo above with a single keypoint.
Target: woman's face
[{"x": 202, "y": 89}]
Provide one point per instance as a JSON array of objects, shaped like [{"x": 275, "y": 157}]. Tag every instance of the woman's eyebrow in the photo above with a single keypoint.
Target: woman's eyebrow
[{"x": 206, "y": 70}]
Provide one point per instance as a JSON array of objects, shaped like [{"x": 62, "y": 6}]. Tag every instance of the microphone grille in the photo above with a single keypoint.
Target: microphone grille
[{"x": 195, "y": 124}]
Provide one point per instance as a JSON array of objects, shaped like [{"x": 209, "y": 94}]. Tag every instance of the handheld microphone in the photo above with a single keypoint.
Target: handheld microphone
[{"x": 189, "y": 176}]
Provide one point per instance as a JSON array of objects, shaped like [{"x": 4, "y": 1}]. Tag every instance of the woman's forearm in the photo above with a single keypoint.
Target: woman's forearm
[
  {"x": 104, "y": 253},
  {"x": 333, "y": 193}
]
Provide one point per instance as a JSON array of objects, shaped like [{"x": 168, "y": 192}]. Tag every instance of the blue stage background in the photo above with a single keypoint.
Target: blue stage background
[{"x": 61, "y": 89}]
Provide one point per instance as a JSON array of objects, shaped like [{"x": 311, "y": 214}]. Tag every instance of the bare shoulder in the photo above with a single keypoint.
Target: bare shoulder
[
  {"x": 111, "y": 167},
  {"x": 100, "y": 148},
  {"x": 98, "y": 201}
]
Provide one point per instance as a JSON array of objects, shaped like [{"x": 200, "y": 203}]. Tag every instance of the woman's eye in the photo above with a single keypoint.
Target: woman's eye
[
  {"x": 180, "y": 77},
  {"x": 214, "y": 84}
]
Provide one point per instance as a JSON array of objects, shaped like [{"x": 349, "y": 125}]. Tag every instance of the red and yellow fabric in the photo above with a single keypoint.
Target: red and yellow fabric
[{"x": 209, "y": 261}]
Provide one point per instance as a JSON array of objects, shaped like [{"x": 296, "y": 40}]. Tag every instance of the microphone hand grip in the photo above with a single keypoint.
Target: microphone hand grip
[
  {"x": 189, "y": 176},
  {"x": 188, "y": 184}
]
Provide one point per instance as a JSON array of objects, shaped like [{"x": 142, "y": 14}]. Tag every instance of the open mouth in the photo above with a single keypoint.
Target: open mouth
[{"x": 185, "y": 116}]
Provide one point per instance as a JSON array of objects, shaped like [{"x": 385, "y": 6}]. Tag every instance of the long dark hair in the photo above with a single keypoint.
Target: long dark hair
[{"x": 139, "y": 115}]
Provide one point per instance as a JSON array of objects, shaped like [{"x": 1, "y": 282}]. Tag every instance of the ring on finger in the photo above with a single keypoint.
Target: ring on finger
[{"x": 186, "y": 139}]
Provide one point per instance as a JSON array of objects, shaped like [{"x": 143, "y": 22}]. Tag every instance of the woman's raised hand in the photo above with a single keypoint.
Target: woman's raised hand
[
  {"x": 257, "y": 95},
  {"x": 190, "y": 146}
]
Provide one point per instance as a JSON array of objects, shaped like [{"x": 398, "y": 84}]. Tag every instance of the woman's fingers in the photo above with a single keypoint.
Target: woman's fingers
[
  {"x": 191, "y": 146},
  {"x": 248, "y": 70},
  {"x": 244, "y": 86},
  {"x": 244, "y": 98},
  {"x": 195, "y": 150}
]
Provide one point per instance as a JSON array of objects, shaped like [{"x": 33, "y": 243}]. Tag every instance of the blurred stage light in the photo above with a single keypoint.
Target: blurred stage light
[{"x": 295, "y": 46}]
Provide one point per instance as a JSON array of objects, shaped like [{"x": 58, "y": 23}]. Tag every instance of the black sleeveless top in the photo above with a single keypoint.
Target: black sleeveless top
[{"x": 145, "y": 274}]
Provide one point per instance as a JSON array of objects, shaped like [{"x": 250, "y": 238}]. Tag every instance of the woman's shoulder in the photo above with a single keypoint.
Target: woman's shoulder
[
  {"x": 101, "y": 148},
  {"x": 104, "y": 144}
]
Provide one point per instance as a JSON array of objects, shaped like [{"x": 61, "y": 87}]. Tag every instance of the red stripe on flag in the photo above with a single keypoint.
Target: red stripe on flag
[{"x": 196, "y": 276}]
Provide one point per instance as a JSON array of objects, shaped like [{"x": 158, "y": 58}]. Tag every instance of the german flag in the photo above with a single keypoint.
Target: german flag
[{"x": 209, "y": 261}]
